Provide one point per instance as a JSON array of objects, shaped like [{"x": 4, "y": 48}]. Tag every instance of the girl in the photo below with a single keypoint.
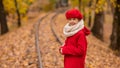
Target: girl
[{"x": 75, "y": 46}]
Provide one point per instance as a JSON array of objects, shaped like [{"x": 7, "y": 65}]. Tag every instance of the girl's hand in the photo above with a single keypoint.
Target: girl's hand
[
  {"x": 63, "y": 44},
  {"x": 60, "y": 50}
]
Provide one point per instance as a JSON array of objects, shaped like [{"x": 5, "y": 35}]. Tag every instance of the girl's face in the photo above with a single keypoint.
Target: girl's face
[{"x": 73, "y": 21}]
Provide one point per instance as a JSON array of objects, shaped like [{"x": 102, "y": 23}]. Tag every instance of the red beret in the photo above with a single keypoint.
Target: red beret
[{"x": 73, "y": 13}]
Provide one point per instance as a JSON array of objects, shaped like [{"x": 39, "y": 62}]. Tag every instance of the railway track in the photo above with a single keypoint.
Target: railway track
[
  {"x": 53, "y": 29},
  {"x": 37, "y": 40},
  {"x": 37, "y": 35}
]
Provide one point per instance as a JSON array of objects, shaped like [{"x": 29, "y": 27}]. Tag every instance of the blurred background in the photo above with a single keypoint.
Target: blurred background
[{"x": 17, "y": 32}]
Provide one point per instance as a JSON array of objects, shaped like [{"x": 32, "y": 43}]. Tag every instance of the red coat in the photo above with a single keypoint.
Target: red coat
[{"x": 74, "y": 49}]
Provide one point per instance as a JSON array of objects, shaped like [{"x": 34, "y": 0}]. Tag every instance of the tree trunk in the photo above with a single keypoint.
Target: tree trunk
[
  {"x": 64, "y": 3},
  {"x": 80, "y": 5},
  {"x": 3, "y": 21},
  {"x": 18, "y": 13},
  {"x": 82, "y": 8},
  {"x": 97, "y": 28},
  {"x": 90, "y": 17},
  {"x": 110, "y": 6},
  {"x": 115, "y": 37},
  {"x": 58, "y": 4}
]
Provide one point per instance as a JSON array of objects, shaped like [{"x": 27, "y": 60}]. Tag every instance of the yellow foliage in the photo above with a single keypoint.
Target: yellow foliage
[
  {"x": 118, "y": 6},
  {"x": 47, "y": 7},
  {"x": 96, "y": 11},
  {"x": 23, "y": 5},
  {"x": 113, "y": 2},
  {"x": 74, "y": 3},
  {"x": 100, "y": 6},
  {"x": 9, "y": 6},
  {"x": 32, "y": 1}
]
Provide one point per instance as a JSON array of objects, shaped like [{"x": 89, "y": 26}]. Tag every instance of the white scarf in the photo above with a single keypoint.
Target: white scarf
[{"x": 71, "y": 30}]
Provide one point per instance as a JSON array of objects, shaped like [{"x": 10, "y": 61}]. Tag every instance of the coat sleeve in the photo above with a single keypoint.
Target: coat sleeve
[{"x": 79, "y": 50}]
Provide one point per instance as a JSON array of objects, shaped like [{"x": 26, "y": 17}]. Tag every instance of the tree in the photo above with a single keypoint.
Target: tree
[
  {"x": 18, "y": 13},
  {"x": 61, "y": 3},
  {"x": 90, "y": 12},
  {"x": 64, "y": 3},
  {"x": 3, "y": 21},
  {"x": 115, "y": 36},
  {"x": 17, "y": 8},
  {"x": 97, "y": 28},
  {"x": 58, "y": 4},
  {"x": 80, "y": 5}
]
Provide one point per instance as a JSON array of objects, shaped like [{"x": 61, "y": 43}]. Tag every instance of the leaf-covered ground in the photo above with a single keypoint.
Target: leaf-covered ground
[
  {"x": 18, "y": 47},
  {"x": 98, "y": 54}
]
